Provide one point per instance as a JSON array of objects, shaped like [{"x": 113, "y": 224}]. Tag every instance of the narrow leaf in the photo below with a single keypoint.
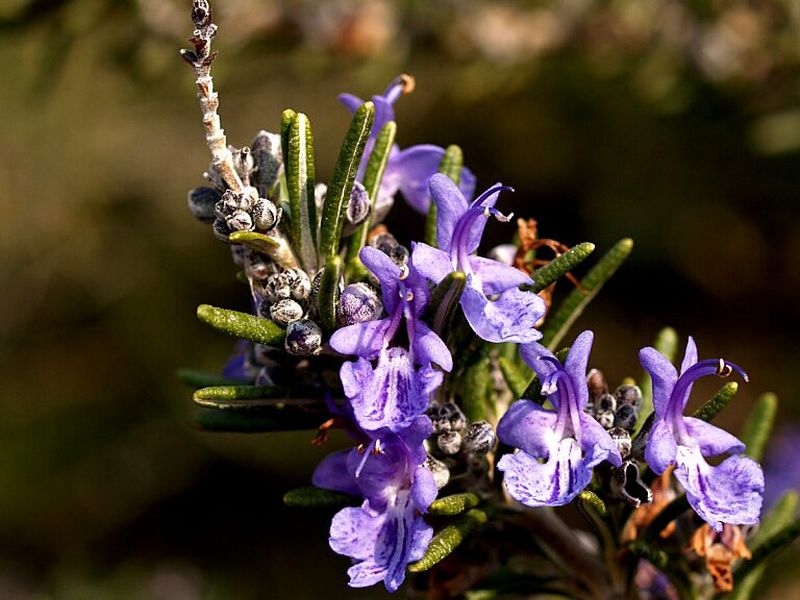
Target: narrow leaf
[
  {"x": 314, "y": 497},
  {"x": 451, "y": 165},
  {"x": 299, "y": 167},
  {"x": 257, "y": 419},
  {"x": 448, "y": 539},
  {"x": 454, "y": 505},
  {"x": 560, "y": 266},
  {"x": 275, "y": 247},
  {"x": 373, "y": 175},
  {"x": 245, "y": 396},
  {"x": 758, "y": 426},
  {"x": 593, "y": 501},
  {"x": 516, "y": 379},
  {"x": 476, "y": 389},
  {"x": 328, "y": 296},
  {"x": 241, "y": 325},
  {"x": 200, "y": 379},
  {"x": 557, "y": 325},
  {"x": 717, "y": 402},
  {"x": 344, "y": 175},
  {"x": 444, "y": 301},
  {"x": 770, "y": 546}
]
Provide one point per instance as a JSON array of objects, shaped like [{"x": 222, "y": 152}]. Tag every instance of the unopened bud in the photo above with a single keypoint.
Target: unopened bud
[
  {"x": 303, "y": 338},
  {"x": 299, "y": 284},
  {"x": 441, "y": 474},
  {"x": 267, "y": 160},
  {"x": 626, "y": 417},
  {"x": 286, "y": 311},
  {"x": 479, "y": 438},
  {"x": 277, "y": 288},
  {"x": 622, "y": 439},
  {"x": 596, "y": 382},
  {"x": 628, "y": 394},
  {"x": 202, "y": 201},
  {"x": 605, "y": 402},
  {"x": 605, "y": 418},
  {"x": 221, "y": 230},
  {"x": 359, "y": 303},
  {"x": 265, "y": 214},
  {"x": 230, "y": 203},
  {"x": 358, "y": 206},
  {"x": 449, "y": 442}
]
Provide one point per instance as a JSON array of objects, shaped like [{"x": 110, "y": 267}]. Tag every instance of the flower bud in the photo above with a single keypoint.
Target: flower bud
[
  {"x": 358, "y": 206},
  {"x": 596, "y": 382},
  {"x": 240, "y": 221},
  {"x": 303, "y": 338},
  {"x": 449, "y": 442},
  {"x": 629, "y": 394},
  {"x": 265, "y": 151},
  {"x": 479, "y": 438},
  {"x": 277, "y": 288},
  {"x": 441, "y": 474},
  {"x": 265, "y": 214},
  {"x": 626, "y": 417},
  {"x": 286, "y": 311},
  {"x": 605, "y": 418},
  {"x": 359, "y": 303},
  {"x": 299, "y": 284},
  {"x": 202, "y": 201},
  {"x": 388, "y": 244},
  {"x": 622, "y": 439},
  {"x": 230, "y": 203},
  {"x": 221, "y": 230},
  {"x": 605, "y": 402}
]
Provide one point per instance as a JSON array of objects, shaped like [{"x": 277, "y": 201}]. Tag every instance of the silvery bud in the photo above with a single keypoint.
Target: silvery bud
[
  {"x": 622, "y": 439},
  {"x": 479, "y": 438},
  {"x": 299, "y": 284},
  {"x": 629, "y": 394},
  {"x": 441, "y": 474},
  {"x": 267, "y": 160},
  {"x": 358, "y": 206},
  {"x": 449, "y": 442},
  {"x": 221, "y": 230},
  {"x": 605, "y": 418},
  {"x": 231, "y": 202},
  {"x": 605, "y": 402},
  {"x": 286, "y": 311},
  {"x": 277, "y": 288},
  {"x": 202, "y": 201},
  {"x": 303, "y": 338},
  {"x": 240, "y": 221},
  {"x": 626, "y": 417},
  {"x": 265, "y": 214},
  {"x": 359, "y": 303}
]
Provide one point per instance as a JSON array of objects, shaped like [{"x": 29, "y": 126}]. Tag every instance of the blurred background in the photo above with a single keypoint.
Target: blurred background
[{"x": 675, "y": 123}]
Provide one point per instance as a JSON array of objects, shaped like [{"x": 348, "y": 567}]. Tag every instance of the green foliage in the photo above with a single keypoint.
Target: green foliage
[
  {"x": 298, "y": 156},
  {"x": 329, "y": 292},
  {"x": 314, "y": 497},
  {"x": 453, "y": 505},
  {"x": 560, "y": 266},
  {"x": 759, "y": 425},
  {"x": 241, "y": 325},
  {"x": 448, "y": 539},
  {"x": 717, "y": 402}
]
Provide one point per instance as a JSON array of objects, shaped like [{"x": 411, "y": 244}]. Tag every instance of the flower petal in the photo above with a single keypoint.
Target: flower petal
[
  {"x": 496, "y": 277},
  {"x": 354, "y": 531},
  {"x": 552, "y": 483},
  {"x": 384, "y": 112},
  {"x": 712, "y": 440},
  {"x": 428, "y": 347},
  {"x": 413, "y": 437},
  {"x": 664, "y": 377},
  {"x": 576, "y": 363},
  {"x": 528, "y": 426},
  {"x": 510, "y": 318},
  {"x": 661, "y": 447},
  {"x": 450, "y": 205},
  {"x": 597, "y": 445},
  {"x": 332, "y": 474},
  {"x": 404, "y": 535},
  {"x": 731, "y": 492},
  {"x": 423, "y": 490},
  {"x": 387, "y": 272},
  {"x": 410, "y": 170},
  {"x": 475, "y": 233},
  {"x": 365, "y": 339},
  {"x": 431, "y": 262},
  {"x": 690, "y": 355},
  {"x": 354, "y": 376},
  {"x": 350, "y": 101}
]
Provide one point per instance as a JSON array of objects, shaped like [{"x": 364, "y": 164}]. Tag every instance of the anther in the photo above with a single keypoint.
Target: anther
[{"x": 724, "y": 369}]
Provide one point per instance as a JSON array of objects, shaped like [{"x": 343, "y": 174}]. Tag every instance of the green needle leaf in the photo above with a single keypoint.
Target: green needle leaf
[
  {"x": 276, "y": 248},
  {"x": 448, "y": 539},
  {"x": 373, "y": 175},
  {"x": 770, "y": 546},
  {"x": 477, "y": 389},
  {"x": 758, "y": 426},
  {"x": 717, "y": 402},
  {"x": 454, "y": 505},
  {"x": 314, "y": 497},
  {"x": 344, "y": 174},
  {"x": 593, "y": 501},
  {"x": 444, "y": 301},
  {"x": 560, "y": 266},
  {"x": 451, "y": 165},
  {"x": 241, "y": 325},
  {"x": 328, "y": 296},
  {"x": 515, "y": 378},
  {"x": 557, "y": 324},
  {"x": 241, "y": 396},
  {"x": 299, "y": 168}
]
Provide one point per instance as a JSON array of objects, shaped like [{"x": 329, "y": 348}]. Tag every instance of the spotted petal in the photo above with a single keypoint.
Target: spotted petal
[
  {"x": 712, "y": 440},
  {"x": 354, "y": 531},
  {"x": 529, "y": 427},
  {"x": 510, "y": 318}
]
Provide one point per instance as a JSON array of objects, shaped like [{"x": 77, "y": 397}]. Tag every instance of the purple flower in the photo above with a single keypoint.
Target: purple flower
[
  {"x": 395, "y": 392},
  {"x": 406, "y": 170},
  {"x": 731, "y": 492},
  {"x": 568, "y": 441},
  {"x": 387, "y": 532},
  {"x": 510, "y": 317}
]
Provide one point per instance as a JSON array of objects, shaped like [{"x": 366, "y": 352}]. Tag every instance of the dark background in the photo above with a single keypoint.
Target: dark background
[{"x": 677, "y": 124}]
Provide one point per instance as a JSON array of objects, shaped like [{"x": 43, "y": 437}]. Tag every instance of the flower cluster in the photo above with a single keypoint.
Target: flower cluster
[{"x": 420, "y": 353}]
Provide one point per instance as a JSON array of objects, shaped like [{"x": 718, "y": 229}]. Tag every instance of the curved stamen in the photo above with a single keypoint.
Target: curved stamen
[
  {"x": 458, "y": 247},
  {"x": 368, "y": 451},
  {"x": 704, "y": 368},
  {"x": 400, "y": 85}
]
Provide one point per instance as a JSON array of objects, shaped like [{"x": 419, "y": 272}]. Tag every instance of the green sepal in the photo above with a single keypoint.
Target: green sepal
[
  {"x": 200, "y": 379},
  {"x": 666, "y": 343},
  {"x": 448, "y": 539},
  {"x": 299, "y": 169},
  {"x": 451, "y": 165},
  {"x": 758, "y": 426},
  {"x": 242, "y": 325},
  {"x": 454, "y": 505},
  {"x": 560, "y": 266},
  {"x": 717, "y": 402},
  {"x": 779, "y": 517},
  {"x": 328, "y": 297},
  {"x": 444, "y": 301},
  {"x": 557, "y": 324},
  {"x": 275, "y": 248},
  {"x": 516, "y": 379},
  {"x": 373, "y": 175},
  {"x": 344, "y": 175},
  {"x": 314, "y": 497}
]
